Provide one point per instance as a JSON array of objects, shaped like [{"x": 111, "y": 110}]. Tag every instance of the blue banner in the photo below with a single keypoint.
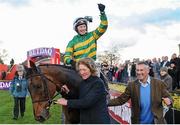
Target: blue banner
[{"x": 4, "y": 85}]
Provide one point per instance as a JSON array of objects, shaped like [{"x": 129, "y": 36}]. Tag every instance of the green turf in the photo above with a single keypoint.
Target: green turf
[{"x": 6, "y": 108}]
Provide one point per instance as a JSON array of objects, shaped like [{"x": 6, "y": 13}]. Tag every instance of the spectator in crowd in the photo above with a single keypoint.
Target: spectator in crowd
[
  {"x": 172, "y": 73},
  {"x": 175, "y": 63},
  {"x": 151, "y": 72},
  {"x": 115, "y": 74},
  {"x": 156, "y": 68},
  {"x": 125, "y": 76},
  {"x": 166, "y": 78},
  {"x": 19, "y": 89},
  {"x": 3, "y": 75},
  {"x": 11, "y": 63},
  {"x": 110, "y": 73},
  {"x": 105, "y": 68},
  {"x": 165, "y": 62},
  {"x": 133, "y": 71},
  {"x": 92, "y": 95},
  {"x": 120, "y": 73},
  {"x": 146, "y": 94}
]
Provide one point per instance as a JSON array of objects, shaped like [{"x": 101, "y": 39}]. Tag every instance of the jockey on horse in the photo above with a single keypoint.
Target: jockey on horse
[{"x": 84, "y": 44}]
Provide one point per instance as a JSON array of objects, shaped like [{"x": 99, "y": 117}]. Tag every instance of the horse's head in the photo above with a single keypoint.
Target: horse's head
[
  {"x": 44, "y": 81},
  {"x": 42, "y": 90}
]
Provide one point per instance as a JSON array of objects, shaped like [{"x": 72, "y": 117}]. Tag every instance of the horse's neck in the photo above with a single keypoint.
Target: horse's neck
[
  {"x": 58, "y": 65},
  {"x": 64, "y": 75}
]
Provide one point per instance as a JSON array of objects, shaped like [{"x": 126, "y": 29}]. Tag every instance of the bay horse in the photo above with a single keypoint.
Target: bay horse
[{"x": 45, "y": 81}]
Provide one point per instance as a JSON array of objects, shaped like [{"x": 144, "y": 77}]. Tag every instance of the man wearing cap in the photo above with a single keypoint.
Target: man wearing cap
[{"x": 19, "y": 89}]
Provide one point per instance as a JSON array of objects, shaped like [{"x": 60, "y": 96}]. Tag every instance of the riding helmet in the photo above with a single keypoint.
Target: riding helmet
[{"x": 79, "y": 21}]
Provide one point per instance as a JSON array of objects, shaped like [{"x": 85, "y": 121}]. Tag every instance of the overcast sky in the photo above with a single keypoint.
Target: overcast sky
[{"x": 141, "y": 28}]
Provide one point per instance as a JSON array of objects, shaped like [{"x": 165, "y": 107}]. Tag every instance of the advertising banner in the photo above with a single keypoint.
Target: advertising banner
[{"x": 4, "y": 85}]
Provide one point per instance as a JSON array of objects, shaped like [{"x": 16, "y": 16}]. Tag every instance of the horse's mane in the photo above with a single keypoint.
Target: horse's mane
[
  {"x": 64, "y": 66},
  {"x": 72, "y": 77}
]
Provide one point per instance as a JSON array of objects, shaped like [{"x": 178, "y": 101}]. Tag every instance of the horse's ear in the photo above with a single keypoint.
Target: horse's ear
[
  {"x": 25, "y": 67},
  {"x": 33, "y": 66},
  {"x": 27, "y": 71}
]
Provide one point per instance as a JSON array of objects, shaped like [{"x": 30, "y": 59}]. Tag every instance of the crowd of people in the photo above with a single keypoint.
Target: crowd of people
[{"x": 160, "y": 68}]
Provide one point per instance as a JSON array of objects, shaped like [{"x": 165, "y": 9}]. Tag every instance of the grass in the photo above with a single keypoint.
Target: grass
[{"x": 6, "y": 108}]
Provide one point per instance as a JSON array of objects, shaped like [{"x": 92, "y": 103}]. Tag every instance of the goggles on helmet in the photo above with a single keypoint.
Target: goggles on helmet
[{"x": 79, "y": 21}]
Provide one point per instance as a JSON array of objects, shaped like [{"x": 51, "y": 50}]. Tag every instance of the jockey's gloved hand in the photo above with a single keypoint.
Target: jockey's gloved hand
[
  {"x": 101, "y": 8},
  {"x": 73, "y": 64}
]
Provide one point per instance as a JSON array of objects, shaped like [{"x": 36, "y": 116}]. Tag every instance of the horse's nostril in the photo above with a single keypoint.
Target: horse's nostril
[
  {"x": 40, "y": 119},
  {"x": 45, "y": 113}
]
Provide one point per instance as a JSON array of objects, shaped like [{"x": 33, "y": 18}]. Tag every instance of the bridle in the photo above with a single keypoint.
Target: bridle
[{"x": 45, "y": 80}]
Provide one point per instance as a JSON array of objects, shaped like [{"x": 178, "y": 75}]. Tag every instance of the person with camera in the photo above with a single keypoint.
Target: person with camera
[
  {"x": 84, "y": 44},
  {"x": 19, "y": 90}
]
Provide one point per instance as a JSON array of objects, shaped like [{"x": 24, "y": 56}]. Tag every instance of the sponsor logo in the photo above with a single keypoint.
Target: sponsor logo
[
  {"x": 5, "y": 85},
  {"x": 40, "y": 52}
]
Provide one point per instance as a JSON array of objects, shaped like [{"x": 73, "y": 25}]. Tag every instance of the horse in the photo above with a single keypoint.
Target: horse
[{"x": 45, "y": 80}]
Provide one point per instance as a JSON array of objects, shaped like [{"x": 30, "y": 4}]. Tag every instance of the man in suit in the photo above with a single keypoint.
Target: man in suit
[
  {"x": 146, "y": 94},
  {"x": 165, "y": 62}
]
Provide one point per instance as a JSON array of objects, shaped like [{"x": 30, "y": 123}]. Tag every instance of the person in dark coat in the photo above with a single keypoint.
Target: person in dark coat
[
  {"x": 175, "y": 63},
  {"x": 3, "y": 75},
  {"x": 133, "y": 71},
  {"x": 92, "y": 95},
  {"x": 165, "y": 62}
]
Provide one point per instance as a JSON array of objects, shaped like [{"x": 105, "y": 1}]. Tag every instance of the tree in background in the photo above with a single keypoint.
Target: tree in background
[
  {"x": 108, "y": 56},
  {"x": 3, "y": 55},
  {"x": 112, "y": 56},
  {"x": 1, "y": 61}
]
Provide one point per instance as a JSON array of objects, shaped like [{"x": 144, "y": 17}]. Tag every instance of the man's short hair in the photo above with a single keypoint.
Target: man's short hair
[{"x": 143, "y": 62}]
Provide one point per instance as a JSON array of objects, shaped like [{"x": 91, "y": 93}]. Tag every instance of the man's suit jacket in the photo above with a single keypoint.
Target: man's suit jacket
[{"x": 158, "y": 90}]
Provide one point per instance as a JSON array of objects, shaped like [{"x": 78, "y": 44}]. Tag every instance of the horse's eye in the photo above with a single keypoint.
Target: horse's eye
[{"x": 37, "y": 86}]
